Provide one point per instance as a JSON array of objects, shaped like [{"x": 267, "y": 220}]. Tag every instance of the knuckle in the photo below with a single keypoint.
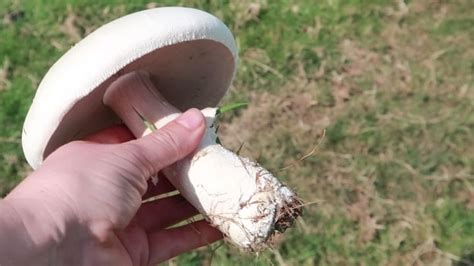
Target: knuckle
[
  {"x": 168, "y": 143},
  {"x": 135, "y": 159},
  {"x": 158, "y": 150}
]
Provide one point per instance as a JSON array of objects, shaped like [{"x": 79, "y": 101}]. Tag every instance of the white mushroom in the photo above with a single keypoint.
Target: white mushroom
[{"x": 154, "y": 64}]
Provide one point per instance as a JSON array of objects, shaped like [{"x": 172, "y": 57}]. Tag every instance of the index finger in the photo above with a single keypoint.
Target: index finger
[
  {"x": 112, "y": 135},
  {"x": 168, "y": 243}
]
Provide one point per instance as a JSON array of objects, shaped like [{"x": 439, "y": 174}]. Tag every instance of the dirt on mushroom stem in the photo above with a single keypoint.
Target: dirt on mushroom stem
[{"x": 238, "y": 196}]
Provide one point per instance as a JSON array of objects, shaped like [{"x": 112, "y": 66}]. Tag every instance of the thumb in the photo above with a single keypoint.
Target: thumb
[{"x": 168, "y": 144}]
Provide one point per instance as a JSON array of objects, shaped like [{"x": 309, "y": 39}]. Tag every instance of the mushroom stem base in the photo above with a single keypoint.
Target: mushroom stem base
[{"x": 238, "y": 196}]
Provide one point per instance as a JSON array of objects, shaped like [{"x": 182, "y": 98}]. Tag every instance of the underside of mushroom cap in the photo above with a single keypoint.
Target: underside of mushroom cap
[{"x": 191, "y": 57}]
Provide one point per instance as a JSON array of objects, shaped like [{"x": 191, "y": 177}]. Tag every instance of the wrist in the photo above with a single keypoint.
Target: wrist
[
  {"x": 15, "y": 236},
  {"x": 28, "y": 236}
]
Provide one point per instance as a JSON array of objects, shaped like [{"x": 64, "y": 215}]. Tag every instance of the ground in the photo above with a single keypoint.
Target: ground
[{"x": 382, "y": 89}]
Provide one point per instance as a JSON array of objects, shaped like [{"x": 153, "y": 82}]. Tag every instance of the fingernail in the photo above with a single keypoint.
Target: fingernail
[{"x": 190, "y": 119}]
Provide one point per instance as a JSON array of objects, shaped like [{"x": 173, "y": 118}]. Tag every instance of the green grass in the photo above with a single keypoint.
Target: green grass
[{"x": 393, "y": 89}]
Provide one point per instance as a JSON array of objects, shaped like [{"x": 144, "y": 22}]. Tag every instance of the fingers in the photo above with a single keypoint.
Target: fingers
[
  {"x": 112, "y": 135},
  {"x": 169, "y": 243},
  {"x": 163, "y": 186},
  {"x": 168, "y": 144},
  {"x": 164, "y": 212}
]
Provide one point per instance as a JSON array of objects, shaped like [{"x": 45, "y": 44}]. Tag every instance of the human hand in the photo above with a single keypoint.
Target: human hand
[{"x": 83, "y": 206}]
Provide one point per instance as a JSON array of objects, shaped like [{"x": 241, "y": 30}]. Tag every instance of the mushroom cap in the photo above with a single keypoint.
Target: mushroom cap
[{"x": 191, "y": 57}]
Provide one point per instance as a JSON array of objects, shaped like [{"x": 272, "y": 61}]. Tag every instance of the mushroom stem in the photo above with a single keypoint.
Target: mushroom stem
[{"x": 238, "y": 196}]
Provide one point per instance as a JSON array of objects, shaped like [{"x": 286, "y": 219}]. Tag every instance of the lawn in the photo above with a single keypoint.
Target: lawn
[{"x": 384, "y": 87}]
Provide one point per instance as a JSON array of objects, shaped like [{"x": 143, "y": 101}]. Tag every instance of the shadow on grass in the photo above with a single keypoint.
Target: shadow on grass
[{"x": 466, "y": 260}]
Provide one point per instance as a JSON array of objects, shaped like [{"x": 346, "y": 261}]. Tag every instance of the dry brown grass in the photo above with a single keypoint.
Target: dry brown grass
[
  {"x": 391, "y": 84},
  {"x": 406, "y": 83}
]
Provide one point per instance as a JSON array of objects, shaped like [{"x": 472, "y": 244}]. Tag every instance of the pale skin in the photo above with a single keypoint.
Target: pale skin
[{"x": 84, "y": 205}]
